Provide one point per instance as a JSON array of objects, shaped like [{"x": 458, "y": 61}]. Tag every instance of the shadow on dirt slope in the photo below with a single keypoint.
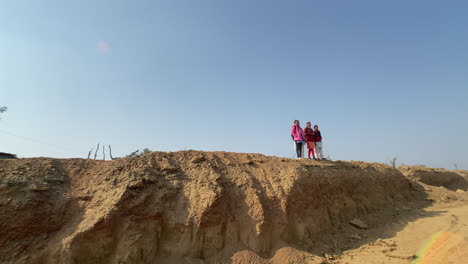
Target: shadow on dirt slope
[
  {"x": 384, "y": 215},
  {"x": 451, "y": 180},
  {"x": 202, "y": 207}
]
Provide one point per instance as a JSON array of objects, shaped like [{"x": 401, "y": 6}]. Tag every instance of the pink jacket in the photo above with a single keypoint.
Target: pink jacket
[{"x": 297, "y": 133}]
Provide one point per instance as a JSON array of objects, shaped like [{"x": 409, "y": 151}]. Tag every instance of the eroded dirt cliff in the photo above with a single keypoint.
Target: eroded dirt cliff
[{"x": 185, "y": 207}]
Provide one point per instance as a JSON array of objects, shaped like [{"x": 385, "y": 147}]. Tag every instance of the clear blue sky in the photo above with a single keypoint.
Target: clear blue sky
[{"x": 380, "y": 78}]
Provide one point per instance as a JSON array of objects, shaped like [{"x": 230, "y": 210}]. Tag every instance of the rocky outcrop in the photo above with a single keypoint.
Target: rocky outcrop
[{"x": 182, "y": 207}]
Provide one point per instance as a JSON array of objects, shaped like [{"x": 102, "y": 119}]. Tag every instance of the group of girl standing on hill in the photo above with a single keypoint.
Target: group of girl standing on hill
[{"x": 311, "y": 137}]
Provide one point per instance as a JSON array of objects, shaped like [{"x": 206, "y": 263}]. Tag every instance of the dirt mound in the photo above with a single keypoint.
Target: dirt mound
[
  {"x": 183, "y": 207},
  {"x": 450, "y": 179}
]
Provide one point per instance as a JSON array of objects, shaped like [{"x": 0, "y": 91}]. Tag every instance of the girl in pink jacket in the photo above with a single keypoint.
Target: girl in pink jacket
[{"x": 298, "y": 137}]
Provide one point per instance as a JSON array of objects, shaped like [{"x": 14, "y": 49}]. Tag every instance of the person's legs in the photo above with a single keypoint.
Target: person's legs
[
  {"x": 313, "y": 152},
  {"x": 298, "y": 149},
  {"x": 302, "y": 149},
  {"x": 319, "y": 150},
  {"x": 308, "y": 153}
]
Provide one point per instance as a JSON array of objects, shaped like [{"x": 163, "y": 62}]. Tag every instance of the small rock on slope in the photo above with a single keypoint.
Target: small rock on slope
[{"x": 358, "y": 223}]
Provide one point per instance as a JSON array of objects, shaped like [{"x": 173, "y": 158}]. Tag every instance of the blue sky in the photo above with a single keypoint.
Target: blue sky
[{"x": 382, "y": 79}]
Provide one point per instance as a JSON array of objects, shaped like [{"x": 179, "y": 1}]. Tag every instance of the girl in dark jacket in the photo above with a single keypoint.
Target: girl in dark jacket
[{"x": 318, "y": 143}]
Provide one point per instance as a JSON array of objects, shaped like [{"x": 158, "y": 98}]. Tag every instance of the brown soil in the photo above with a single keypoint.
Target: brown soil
[
  {"x": 217, "y": 207},
  {"x": 452, "y": 180}
]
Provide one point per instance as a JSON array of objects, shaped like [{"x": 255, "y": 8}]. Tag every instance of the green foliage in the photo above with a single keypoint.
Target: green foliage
[
  {"x": 138, "y": 152},
  {"x": 146, "y": 151},
  {"x": 8, "y": 156}
]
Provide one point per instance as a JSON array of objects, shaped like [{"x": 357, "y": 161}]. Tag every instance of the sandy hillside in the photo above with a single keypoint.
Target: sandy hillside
[{"x": 216, "y": 207}]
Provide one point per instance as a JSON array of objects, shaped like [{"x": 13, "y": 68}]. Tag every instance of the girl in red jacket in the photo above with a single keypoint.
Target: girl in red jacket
[{"x": 309, "y": 135}]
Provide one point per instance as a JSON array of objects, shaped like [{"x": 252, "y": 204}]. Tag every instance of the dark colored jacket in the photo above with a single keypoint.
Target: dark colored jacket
[{"x": 317, "y": 136}]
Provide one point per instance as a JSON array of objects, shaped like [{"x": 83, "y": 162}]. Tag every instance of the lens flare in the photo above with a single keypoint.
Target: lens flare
[
  {"x": 103, "y": 47},
  {"x": 443, "y": 247}
]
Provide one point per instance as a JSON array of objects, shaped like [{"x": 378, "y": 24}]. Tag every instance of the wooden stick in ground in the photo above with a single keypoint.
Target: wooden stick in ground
[
  {"x": 89, "y": 153},
  {"x": 103, "y": 152},
  {"x": 110, "y": 152},
  {"x": 95, "y": 153}
]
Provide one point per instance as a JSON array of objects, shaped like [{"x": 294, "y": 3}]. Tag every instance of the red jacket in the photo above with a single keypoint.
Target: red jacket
[{"x": 309, "y": 134}]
